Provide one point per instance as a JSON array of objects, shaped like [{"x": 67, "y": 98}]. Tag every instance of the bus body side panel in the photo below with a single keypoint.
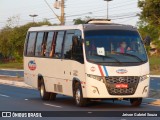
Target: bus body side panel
[
  {"x": 30, "y": 75},
  {"x": 78, "y": 73},
  {"x": 57, "y": 74}
]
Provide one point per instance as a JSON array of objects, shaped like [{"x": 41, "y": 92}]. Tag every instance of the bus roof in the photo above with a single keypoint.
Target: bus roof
[{"x": 111, "y": 26}]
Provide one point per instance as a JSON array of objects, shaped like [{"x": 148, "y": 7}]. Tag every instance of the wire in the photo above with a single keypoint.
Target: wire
[
  {"x": 52, "y": 10},
  {"x": 125, "y": 17},
  {"x": 127, "y": 20}
]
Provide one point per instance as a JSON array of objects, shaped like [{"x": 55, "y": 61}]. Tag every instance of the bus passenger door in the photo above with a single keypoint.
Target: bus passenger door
[{"x": 67, "y": 62}]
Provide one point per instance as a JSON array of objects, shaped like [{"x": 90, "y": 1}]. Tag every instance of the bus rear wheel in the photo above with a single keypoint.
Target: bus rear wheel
[
  {"x": 78, "y": 96},
  {"x": 136, "y": 101},
  {"x": 46, "y": 95}
]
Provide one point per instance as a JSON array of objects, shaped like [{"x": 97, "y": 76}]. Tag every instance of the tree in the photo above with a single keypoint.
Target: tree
[
  {"x": 149, "y": 23},
  {"x": 13, "y": 21},
  {"x": 12, "y": 39},
  {"x": 150, "y": 11},
  {"x": 80, "y": 20}
]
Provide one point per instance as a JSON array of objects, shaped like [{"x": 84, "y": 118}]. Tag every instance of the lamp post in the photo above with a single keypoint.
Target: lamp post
[
  {"x": 33, "y": 16},
  {"x": 107, "y": 6}
]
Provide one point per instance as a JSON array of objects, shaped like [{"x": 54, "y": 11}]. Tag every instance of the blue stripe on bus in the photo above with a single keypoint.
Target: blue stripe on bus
[{"x": 105, "y": 70}]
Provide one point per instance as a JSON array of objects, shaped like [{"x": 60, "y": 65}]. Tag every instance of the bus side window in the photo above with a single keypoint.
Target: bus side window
[
  {"x": 77, "y": 49},
  {"x": 68, "y": 44},
  {"x": 58, "y": 45},
  {"x": 49, "y": 44},
  {"x": 52, "y": 51},
  {"x": 31, "y": 43},
  {"x": 39, "y": 41}
]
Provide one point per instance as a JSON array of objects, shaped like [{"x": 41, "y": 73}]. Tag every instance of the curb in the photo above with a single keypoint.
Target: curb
[
  {"x": 157, "y": 76},
  {"x": 15, "y": 83},
  {"x": 12, "y": 69}
]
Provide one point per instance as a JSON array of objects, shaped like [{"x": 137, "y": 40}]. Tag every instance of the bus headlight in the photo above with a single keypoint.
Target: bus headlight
[
  {"x": 144, "y": 77},
  {"x": 99, "y": 78}
]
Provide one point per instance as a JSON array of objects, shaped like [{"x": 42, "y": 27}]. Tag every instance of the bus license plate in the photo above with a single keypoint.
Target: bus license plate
[{"x": 121, "y": 85}]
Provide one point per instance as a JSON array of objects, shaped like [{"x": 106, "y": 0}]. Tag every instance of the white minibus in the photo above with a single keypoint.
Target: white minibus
[{"x": 98, "y": 60}]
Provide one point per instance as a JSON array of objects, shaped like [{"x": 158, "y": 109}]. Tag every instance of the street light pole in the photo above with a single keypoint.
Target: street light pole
[
  {"x": 33, "y": 16},
  {"x": 107, "y": 7}
]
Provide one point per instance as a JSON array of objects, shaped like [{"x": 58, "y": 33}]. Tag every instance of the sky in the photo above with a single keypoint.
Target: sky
[{"x": 120, "y": 11}]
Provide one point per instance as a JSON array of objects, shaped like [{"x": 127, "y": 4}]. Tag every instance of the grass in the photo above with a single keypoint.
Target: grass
[
  {"x": 11, "y": 65},
  {"x": 154, "y": 65}
]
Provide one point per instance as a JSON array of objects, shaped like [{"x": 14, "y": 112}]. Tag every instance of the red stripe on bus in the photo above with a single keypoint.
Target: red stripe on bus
[{"x": 100, "y": 69}]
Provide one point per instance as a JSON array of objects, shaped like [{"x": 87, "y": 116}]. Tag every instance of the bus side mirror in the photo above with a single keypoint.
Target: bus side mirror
[{"x": 147, "y": 41}]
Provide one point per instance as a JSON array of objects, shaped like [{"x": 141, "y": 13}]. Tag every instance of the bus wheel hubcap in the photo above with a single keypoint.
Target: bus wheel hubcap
[
  {"x": 78, "y": 95},
  {"x": 42, "y": 90}
]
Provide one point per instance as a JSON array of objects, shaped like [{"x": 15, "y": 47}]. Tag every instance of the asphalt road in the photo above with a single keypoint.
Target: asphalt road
[
  {"x": 18, "y": 73},
  {"x": 22, "y": 99}
]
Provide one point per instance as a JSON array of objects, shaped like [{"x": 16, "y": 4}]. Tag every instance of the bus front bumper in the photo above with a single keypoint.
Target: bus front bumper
[{"x": 99, "y": 89}]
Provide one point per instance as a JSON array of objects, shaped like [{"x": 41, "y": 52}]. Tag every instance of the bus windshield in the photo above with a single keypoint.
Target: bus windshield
[{"x": 114, "y": 46}]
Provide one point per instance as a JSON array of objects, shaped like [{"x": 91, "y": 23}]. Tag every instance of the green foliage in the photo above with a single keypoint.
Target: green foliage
[
  {"x": 80, "y": 20},
  {"x": 150, "y": 11},
  {"x": 147, "y": 49},
  {"x": 149, "y": 24},
  {"x": 154, "y": 64},
  {"x": 11, "y": 65},
  {"x": 148, "y": 30},
  {"x": 157, "y": 43},
  {"x": 12, "y": 39}
]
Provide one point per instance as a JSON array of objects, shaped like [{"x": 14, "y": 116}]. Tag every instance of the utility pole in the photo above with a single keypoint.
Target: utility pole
[
  {"x": 62, "y": 13},
  {"x": 60, "y": 5}
]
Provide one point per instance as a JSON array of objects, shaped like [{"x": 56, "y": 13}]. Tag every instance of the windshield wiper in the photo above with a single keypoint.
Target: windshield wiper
[
  {"x": 108, "y": 57},
  {"x": 126, "y": 54}
]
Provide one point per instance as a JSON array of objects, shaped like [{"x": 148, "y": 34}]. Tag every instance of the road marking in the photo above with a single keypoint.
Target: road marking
[
  {"x": 4, "y": 95},
  {"x": 52, "y": 105},
  {"x": 7, "y": 76},
  {"x": 89, "y": 112},
  {"x": 25, "y": 99}
]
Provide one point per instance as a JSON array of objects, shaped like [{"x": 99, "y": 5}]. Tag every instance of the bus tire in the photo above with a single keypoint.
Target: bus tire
[
  {"x": 78, "y": 96},
  {"x": 53, "y": 96},
  {"x": 136, "y": 101},
  {"x": 44, "y": 95}
]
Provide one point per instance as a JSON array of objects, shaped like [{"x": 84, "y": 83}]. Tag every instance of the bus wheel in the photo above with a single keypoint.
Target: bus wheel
[
  {"x": 78, "y": 96},
  {"x": 44, "y": 95},
  {"x": 136, "y": 101},
  {"x": 53, "y": 96}
]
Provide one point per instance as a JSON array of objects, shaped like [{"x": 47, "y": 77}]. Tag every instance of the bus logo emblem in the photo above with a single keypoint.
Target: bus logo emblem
[
  {"x": 32, "y": 65},
  {"x": 92, "y": 69},
  {"x": 121, "y": 71}
]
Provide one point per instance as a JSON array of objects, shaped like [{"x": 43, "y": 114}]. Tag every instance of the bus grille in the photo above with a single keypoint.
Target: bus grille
[{"x": 132, "y": 82}]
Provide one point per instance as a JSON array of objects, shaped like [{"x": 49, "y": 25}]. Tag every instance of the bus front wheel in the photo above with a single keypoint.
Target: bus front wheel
[
  {"x": 78, "y": 96},
  {"x": 136, "y": 101}
]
